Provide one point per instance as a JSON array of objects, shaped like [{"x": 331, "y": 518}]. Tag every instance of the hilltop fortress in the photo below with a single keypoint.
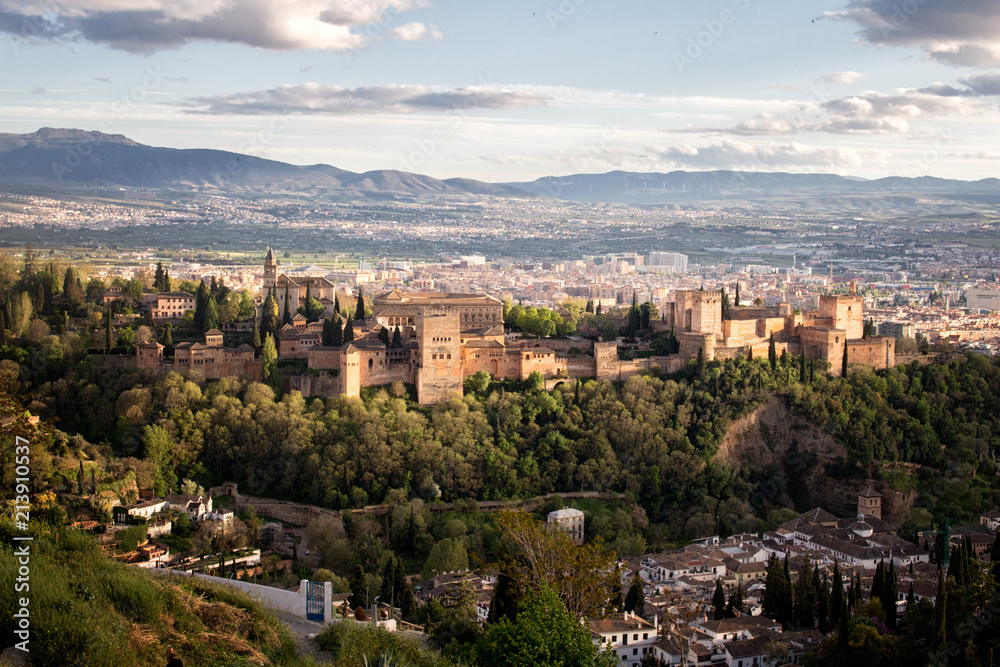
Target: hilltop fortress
[{"x": 445, "y": 338}]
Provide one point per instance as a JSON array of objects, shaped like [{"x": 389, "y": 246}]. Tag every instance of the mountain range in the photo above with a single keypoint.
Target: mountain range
[{"x": 71, "y": 158}]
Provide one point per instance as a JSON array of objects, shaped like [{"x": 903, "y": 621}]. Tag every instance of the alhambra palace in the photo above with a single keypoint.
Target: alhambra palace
[{"x": 449, "y": 337}]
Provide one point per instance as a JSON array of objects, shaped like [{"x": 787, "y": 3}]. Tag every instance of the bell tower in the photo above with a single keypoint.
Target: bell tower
[{"x": 270, "y": 270}]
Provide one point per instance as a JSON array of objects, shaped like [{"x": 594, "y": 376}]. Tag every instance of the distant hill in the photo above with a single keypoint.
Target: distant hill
[
  {"x": 685, "y": 186},
  {"x": 76, "y": 158}
]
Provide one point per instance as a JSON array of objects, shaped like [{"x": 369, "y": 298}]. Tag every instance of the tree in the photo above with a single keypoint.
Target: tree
[
  {"x": 635, "y": 601},
  {"x": 719, "y": 600},
  {"x": 724, "y": 298},
  {"x": 337, "y": 332},
  {"x": 837, "y": 600},
  {"x": 255, "y": 337},
  {"x": 159, "y": 446},
  {"x": 326, "y": 339},
  {"x": 545, "y": 633},
  {"x": 397, "y": 338},
  {"x": 107, "y": 331},
  {"x": 448, "y": 555},
  {"x": 735, "y": 604},
  {"x": 211, "y": 315},
  {"x": 772, "y": 353},
  {"x": 359, "y": 312},
  {"x": 580, "y": 575},
  {"x": 79, "y": 479},
  {"x": 201, "y": 307},
  {"x": 270, "y": 360},
  {"x": 736, "y": 299},
  {"x": 805, "y": 596},
  {"x": 269, "y": 322},
  {"x": 802, "y": 366},
  {"x": 348, "y": 331},
  {"x": 383, "y": 336},
  {"x": 843, "y": 362},
  {"x": 157, "y": 278},
  {"x": 700, "y": 362},
  {"x": 286, "y": 317}
]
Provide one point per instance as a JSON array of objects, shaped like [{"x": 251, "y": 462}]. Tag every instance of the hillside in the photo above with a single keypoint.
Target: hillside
[
  {"x": 76, "y": 158},
  {"x": 87, "y": 609},
  {"x": 796, "y": 453}
]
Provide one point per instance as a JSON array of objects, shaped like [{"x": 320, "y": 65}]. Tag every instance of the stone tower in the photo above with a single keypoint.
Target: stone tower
[
  {"x": 439, "y": 373},
  {"x": 270, "y": 270},
  {"x": 870, "y": 503}
]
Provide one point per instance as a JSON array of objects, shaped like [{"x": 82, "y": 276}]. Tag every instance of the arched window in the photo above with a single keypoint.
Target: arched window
[{"x": 371, "y": 362}]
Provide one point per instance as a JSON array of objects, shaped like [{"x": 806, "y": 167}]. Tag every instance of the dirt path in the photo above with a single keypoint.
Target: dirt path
[{"x": 301, "y": 631}]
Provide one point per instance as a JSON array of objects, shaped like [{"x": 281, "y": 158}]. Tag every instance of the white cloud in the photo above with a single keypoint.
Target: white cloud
[
  {"x": 750, "y": 157},
  {"x": 145, "y": 26},
  {"x": 848, "y": 78},
  {"x": 869, "y": 112},
  {"x": 961, "y": 33},
  {"x": 315, "y": 98},
  {"x": 416, "y": 32}
]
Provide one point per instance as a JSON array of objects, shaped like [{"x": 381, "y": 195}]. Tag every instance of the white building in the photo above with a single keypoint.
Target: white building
[
  {"x": 570, "y": 520},
  {"x": 629, "y": 636}
]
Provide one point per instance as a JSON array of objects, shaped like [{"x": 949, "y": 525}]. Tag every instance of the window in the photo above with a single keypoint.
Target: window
[
  {"x": 635, "y": 651},
  {"x": 635, "y": 637},
  {"x": 645, "y": 635}
]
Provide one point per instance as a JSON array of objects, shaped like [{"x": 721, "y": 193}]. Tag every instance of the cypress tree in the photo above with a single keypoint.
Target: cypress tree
[
  {"x": 107, "y": 330},
  {"x": 359, "y": 312},
  {"x": 269, "y": 323},
  {"x": 802, "y": 366},
  {"x": 836, "y": 594},
  {"x": 157, "y": 278},
  {"x": 805, "y": 596},
  {"x": 823, "y": 604},
  {"x": 735, "y": 604},
  {"x": 337, "y": 332},
  {"x": 505, "y": 597},
  {"x": 635, "y": 600},
  {"x": 286, "y": 317},
  {"x": 327, "y": 338},
  {"x": 719, "y": 600},
  {"x": 911, "y": 599},
  {"x": 255, "y": 338},
  {"x": 737, "y": 295},
  {"x": 166, "y": 280},
  {"x": 348, "y": 331},
  {"x": 772, "y": 353},
  {"x": 843, "y": 363},
  {"x": 200, "y": 305},
  {"x": 397, "y": 338},
  {"x": 79, "y": 479},
  {"x": 890, "y": 591},
  {"x": 211, "y": 315},
  {"x": 701, "y": 361},
  {"x": 725, "y": 304},
  {"x": 383, "y": 336},
  {"x": 788, "y": 600},
  {"x": 940, "y": 620}
]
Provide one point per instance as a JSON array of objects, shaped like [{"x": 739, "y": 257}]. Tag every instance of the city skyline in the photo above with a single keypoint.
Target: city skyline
[{"x": 866, "y": 88}]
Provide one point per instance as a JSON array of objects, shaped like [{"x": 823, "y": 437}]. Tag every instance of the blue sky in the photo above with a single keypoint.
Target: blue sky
[{"x": 515, "y": 90}]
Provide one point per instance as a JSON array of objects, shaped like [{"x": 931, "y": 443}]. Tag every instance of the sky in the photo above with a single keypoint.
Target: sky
[{"x": 512, "y": 90}]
